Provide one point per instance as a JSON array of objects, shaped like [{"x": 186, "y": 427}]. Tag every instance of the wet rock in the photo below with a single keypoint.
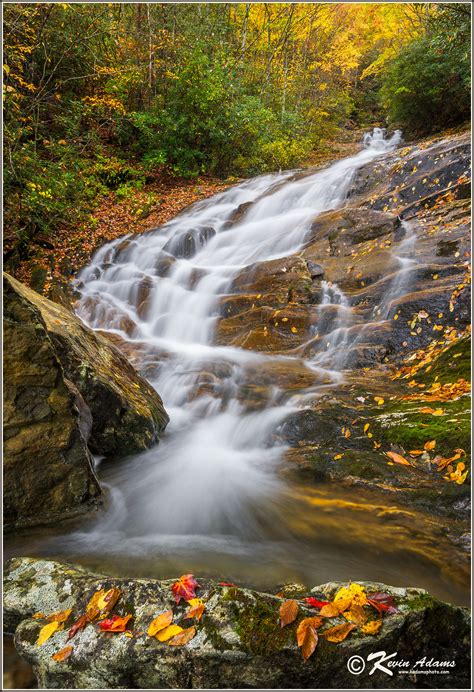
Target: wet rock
[
  {"x": 127, "y": 414},
  {"x": 315, "y": 270},
  {"x": 239, "y": 641},
  {"x": 47, "y": 467},
  {"x": 185, "y": 245}
]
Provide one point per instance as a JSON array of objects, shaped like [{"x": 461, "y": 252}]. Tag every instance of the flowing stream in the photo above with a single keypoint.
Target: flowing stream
[{"x": 211, "y": 497}]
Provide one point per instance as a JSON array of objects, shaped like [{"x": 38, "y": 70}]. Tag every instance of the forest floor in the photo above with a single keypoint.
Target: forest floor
[{"x": 65, "y": 252}]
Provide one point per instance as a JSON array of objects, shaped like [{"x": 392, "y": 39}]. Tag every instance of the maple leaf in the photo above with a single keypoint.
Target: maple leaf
[
  {"x": 339, "y": 632},
  {"x": 288, "y": 612},
  {"x": 382, "y": 602},
  {"x": 46, "y": 632},
  {"x": 115, "y": 624},
  {"x": 77, "y": 626},
  {"x": 160, "y": 622},
  {"x": 184, "y": 588},
  {"x": 183, "y": 637},
  {"x": 307, "y": 636},
  {"x": 315, "y": 603},
  {"x": 63, "y": 654}
]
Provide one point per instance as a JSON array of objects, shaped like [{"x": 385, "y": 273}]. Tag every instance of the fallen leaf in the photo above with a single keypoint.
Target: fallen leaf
[
  {"x": 184, "y": 588},
  {"x": 354, "y": 591},
  {"x": 366, "y": 427},
  {"x": 59, "y": 617},
  {"x": 77, "y": 626},
  {"x": 315, "y": 603},
  {"x": 160, "y": 622},
  {"x": 382, "y": 602},
  {"x": 63, "y": 654},
  {"x": 168, "y": 632},
  {"x": 195, "y": 612},
  {"x": 183, "y": 637},
  {"x": 398, "y": 459},
  {"x": 339, "y": 632},
  {"x": 356, "y": 615},
  {"x": 226, "y": 583},
  {"x": 372, "y": 627},
  {"x": 307, "y": 636},
  {"x": 379, "y": 400},
  {"x": 338, "y": 456},
  {"x": 39, "y": 616},
  {"x": 115, "y": 624},
  {"x": 46, "y": 632},
  {"x": 416, "y": 452},
  {"x": 288, "y": 612},
  {"x": 108, "y": 599},
  {"x": 430, "y": 445},
  {"x": 92, "y": 608},
  {"x": 329, "y": 611}
]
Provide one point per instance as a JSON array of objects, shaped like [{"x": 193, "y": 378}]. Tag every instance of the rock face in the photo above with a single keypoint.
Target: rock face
[
  {"x": 127, "y": 414},
  {"x": 47, "y": 466},
  {"x": 239, "y": 642}
]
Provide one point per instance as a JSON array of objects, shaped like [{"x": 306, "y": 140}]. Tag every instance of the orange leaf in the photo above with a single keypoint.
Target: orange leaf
[
  {"x": 416, "y": 452},
  {"x": 184, "y": 588},
  {"x": 183, "y": 637},
  {"x": 195, "y": 612},
  {"x": 63, "y": 654},
  {"x": 77, "y": 626},
  {"x": 338, "y": 633},
  {"x": 307, "y": 636},
  {"x": 356, "y": 615},
  {"x": 115, "y": 624},
  {"x": 398, "y": 459},
  {"x": 430, "y": 445},
  {"x": 288, "y": 612},
  {"x": 330, "y": 610},
  {"x": 59, "y": 617},
  {"x": 160, "y": 622}
]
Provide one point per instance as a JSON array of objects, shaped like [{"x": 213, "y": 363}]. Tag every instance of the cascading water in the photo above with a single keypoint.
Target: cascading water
[{"x": 210, "y": 496}]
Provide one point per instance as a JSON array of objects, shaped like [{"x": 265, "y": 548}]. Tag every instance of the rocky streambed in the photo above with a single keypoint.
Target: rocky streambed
[{"x": 309, "y": 334}]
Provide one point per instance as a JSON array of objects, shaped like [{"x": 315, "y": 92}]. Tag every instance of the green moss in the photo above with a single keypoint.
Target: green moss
[
  {"x": 259, "y": 630},
  {"x": 451, "y": 365},
  {"x": 421, "y": 601}
]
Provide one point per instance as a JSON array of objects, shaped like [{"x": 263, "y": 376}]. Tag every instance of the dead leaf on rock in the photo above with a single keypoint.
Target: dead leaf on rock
[
  {"x": 59, "y": 617},
  {"x": 160, "y": 622},
  {"x": 372, "y": 627},
  {"x": 398, "y": 459},
  {"x": 63, "y": 654},
  {"x": 339, "y": 632},
  {"x": 46, "y": 632},
  {"x": 288, "y": 612},
  {"x": 77, "y": 626},
  {"x": 183, "y": 637},
  {"x": 168, "y": 632},
  {"x": 307, "y": 636}
]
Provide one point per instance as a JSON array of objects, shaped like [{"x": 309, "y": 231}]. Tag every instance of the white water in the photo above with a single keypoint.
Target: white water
[{"x": 213, "y": 479}]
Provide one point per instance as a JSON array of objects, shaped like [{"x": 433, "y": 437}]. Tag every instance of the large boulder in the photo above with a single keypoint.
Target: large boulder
[
  {"x": 127, "y": 414},
  {"x": 238, "y": 642},
  {"x": 47, "y": 466}
]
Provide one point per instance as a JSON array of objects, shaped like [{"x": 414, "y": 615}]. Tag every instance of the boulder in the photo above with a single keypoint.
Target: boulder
[
  {"x": 185, "y": 245},
  {"x": 47, "y": 466},
  {"x": 127, "y": 413},
  {"x": 238, "y": 642}
]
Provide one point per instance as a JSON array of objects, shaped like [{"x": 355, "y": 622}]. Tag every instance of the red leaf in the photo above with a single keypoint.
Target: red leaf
[
  {"x": 115, "y": 624},
  {"x": 382, "y": 602},
  {"x": 315, "y": 603},
  {"x": 226, "y": 583},
  {"x": 77, "y": 626},
  {"x": 184, "y": 588}
]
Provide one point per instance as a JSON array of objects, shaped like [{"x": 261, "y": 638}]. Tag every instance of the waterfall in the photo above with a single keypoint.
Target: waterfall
[{"x": 214, "y": 476}]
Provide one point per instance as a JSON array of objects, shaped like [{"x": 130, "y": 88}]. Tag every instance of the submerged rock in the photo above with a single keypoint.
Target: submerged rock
[
  {"x": 127, "y": 413},
  {"x": 47, "y": 466},
  {"x": 238, "y": 642}
]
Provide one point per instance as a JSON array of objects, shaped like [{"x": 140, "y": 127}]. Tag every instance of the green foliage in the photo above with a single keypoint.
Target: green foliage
[{"x": 426, "y": 87}]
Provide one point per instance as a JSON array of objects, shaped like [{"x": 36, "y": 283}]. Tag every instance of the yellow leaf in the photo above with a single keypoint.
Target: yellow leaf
[
  {"x": 338, "y": 456},
  {"x": 59, "y": 617},
  {"x": 160, "y": 622},
  {"x": 168, "y": 632},
  {"x": 338, "y": 633},
  {"x": 366, "y": 427},
  {"x": 46, "y": 632},
  {"x": 379, "y": 400},
  {"x": 354, "y": 591},
  {"x": 372, "y": 627},
  {"x": 294, "y": 330}
]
